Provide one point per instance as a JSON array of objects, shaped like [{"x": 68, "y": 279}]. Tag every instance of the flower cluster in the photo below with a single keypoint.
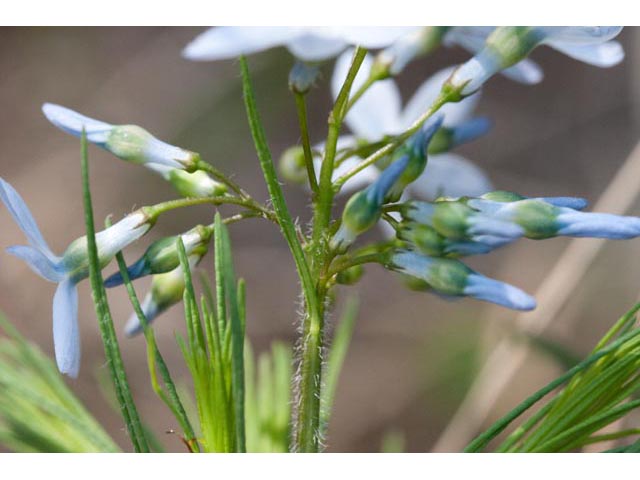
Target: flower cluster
[
  {"x": 398, "y": 164},
  {"x": 135, "y": 145}
]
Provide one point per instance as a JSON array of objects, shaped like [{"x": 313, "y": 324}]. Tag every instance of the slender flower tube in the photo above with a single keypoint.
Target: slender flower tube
[
  {"x": 541, "y": 219},
  {"x": 363, "y": 210},
  {"x": 162, "y": 256},
  {"x": 69, "y": 269},
  {"x": 379, "y": 113},
  {"x": 309, "y": 44},
  {"x": 506, "y": 46},
  {"x": 127, "y": 142},
  {"x": 453, "y": 278},
  {"x": 166, "y": 290},
  {"x": 416, "y": 149}
]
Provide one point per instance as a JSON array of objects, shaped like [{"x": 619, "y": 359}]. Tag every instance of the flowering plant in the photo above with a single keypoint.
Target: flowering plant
[{"x": 397, "y": 167}]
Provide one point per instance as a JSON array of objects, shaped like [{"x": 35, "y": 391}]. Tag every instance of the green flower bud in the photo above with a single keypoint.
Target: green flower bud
[
  {"x": 350, "y": 276},
  {"x": 292, "y": 165},
  {"x": 134, "y": 144},
  {"x": 197, "y": 184}
]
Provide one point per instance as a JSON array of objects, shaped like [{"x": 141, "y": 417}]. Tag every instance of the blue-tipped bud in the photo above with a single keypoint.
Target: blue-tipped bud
[
  {"x": 162, "y": 256},
  {"x": 363, "y": 210},
  {"x": 415, "y": 148},
  {"x": 167, "y": 289},
  {"x": 127, "y": 142},
  {"x": 456, "y": 220},
  {"x": 541, "y": 218},
  {"x": 453, "y": 278},
  {"x": 303, "y": 76},
  {"x": 426, "y": 240}
]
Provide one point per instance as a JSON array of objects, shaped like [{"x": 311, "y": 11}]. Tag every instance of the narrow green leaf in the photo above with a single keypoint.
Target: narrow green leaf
[{"x": 105, "y": 321}]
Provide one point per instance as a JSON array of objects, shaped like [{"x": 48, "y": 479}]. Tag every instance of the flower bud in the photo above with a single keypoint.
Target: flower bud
[
  {"x": 453, "y": 278},
  {"x": 416, "y": 150},
  {"x": 302, "y": 77},
  {"x": 350, "y": 276},
  {"x": 191, "y": 185},
  {"x": 292, "y": 165},
  {"x": 162, "y": 256},
  {"x": 364, "y": 208},
  {"x": 127, "y": 142}
]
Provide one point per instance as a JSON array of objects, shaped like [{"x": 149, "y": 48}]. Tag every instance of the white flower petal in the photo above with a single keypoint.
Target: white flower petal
[
  {"x": 72, "y": 122},
  {"x": 450, "y": 175},
  {"x": 66, "y": 337},
  {"x": 423, "y": 98},
  {"x": 311, "y": 47},
  {"x": 38, "y": 262},
  {"x": 525, "y": 71},
  {"x": 470, "y": 38},
  {"x": 372, "y": 37},
  {"x": 23, "y": 217},
  {"x": 604, "y": 55},
  {"x": 377, "y": 112},
  {"x": 579, "y": 35},
  {"x": 229, "y": 42}
]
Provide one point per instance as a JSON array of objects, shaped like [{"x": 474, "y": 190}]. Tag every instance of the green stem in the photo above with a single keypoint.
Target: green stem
[
  {"x": 105, "y": 321},
  {"x": 391, "y": 146},
  {"x": 248, "y": 203},
  {"x": 306, "y": 433},
  {"x": 322, "y": 213},
  {"x": 171, "y": 398},
  {"x": 306, "y": 144},
  {"x": 218, "y": 175}
]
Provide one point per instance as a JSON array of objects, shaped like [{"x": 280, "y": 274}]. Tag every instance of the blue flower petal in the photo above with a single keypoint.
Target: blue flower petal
[
  {"x": 150, "y": 309},
  {"x": 38, "y": 262},
  {"x": 598, "y": 225},
  {"x": 487, "y": 289},
  {"x": 22, "y": 216},
  {"x": 575, "y": 203},
  {"x": 72, "y": 122},
  {"x": 136, "y": 270},
  {"x": 66, "y": 338},
  {"x": 470, "y": 130},
  {"x": 485, "y": 225}
]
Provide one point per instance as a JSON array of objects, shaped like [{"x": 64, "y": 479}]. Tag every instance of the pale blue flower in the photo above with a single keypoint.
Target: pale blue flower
[
  {"x": 311, "y": 44},
  {"x": 452, "y": 278},
  {"x": 128, "y": 142},
  {"x": 67, "y": 270},
  {"x": 509, "y": 46},
  {"x": 541, "y": 219},
  {"x": 473, "y": 39},
  {"x": 379, "y": 112}
]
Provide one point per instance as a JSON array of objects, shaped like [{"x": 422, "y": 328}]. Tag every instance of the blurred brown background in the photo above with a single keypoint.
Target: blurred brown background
[{"x": 413, "y": 355}]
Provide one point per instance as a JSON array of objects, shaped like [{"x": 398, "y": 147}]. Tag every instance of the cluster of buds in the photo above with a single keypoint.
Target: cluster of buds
[{"x": 434, "y": 234}]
